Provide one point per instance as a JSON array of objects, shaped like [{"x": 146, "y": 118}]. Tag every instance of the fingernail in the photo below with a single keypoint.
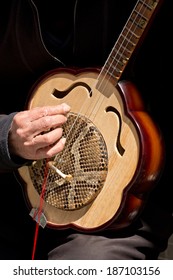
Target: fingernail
[
  {"x": 63, "y": 140},
  {"x": 66, "y": 107}
]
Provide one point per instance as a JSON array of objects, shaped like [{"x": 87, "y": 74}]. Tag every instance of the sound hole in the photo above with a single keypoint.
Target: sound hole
[{"x": 84, "y": 157}]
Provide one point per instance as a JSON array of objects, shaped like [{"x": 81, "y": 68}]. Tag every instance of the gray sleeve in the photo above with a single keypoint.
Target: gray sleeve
[{"x": 7, "y": 162}]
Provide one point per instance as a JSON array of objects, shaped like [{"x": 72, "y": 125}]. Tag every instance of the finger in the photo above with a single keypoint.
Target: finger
[
  {"x": 39, "y": 112},
  {"x": 45, "y": 124},
  {"x": 44, "y": 140},
  {"x": 25, "y": 118},
  {"x": 51, "y": 151}
]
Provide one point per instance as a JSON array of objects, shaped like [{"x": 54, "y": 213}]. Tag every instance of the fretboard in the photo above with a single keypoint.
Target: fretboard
[{"x": 128, "y": 39}]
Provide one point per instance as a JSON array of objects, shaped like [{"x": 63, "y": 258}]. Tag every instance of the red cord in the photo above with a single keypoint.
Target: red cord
[{"x": 39, "y": 211}]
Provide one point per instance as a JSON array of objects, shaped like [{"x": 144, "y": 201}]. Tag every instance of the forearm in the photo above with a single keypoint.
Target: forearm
[{"x": 7, "y": 162}]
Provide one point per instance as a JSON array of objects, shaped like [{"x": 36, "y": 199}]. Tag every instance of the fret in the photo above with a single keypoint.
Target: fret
[
  {"x": 133, "y": 29},
  {"x": 138, "y": 22},
  {"x": 144, "y": 11},
  {"x": 113, "y": 76},
  {"x": 120, "y": 55},
  {"x": 119, "y": 65},
  {"x": 121, "y": 49},
  {"x": 113, "y": 73},
  {"x": 132, "y": 33},
  {"x": 116, "y": 62},
  {"x": 140, "y": 14},
  {"x": 114, "y": 67},
  {"x": 150, "y": 4},
  {"x": 127, "y": 40},
  {"x": 124, "y": 46}
]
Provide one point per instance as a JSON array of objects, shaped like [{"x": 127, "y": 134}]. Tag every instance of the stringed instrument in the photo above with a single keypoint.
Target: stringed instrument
[{"x": 113, "y": 153}]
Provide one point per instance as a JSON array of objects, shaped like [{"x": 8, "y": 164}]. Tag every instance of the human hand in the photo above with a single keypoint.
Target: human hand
[{"x": 36, "y": 133}]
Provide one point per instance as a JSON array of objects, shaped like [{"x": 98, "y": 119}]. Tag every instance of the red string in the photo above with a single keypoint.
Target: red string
[{"x": 39, "y": 211}]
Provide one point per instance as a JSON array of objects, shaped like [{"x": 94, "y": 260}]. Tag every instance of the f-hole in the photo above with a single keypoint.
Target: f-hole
[
  {"x": 120, "y": 148},
  {"x": 61, "y": 94}
]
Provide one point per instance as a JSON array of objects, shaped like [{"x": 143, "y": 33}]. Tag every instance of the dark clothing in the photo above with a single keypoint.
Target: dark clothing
[{"x": 33, "y": 42}]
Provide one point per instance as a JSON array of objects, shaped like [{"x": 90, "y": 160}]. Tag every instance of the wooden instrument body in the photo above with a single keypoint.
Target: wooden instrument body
[{"x": 134, "y": 147}]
